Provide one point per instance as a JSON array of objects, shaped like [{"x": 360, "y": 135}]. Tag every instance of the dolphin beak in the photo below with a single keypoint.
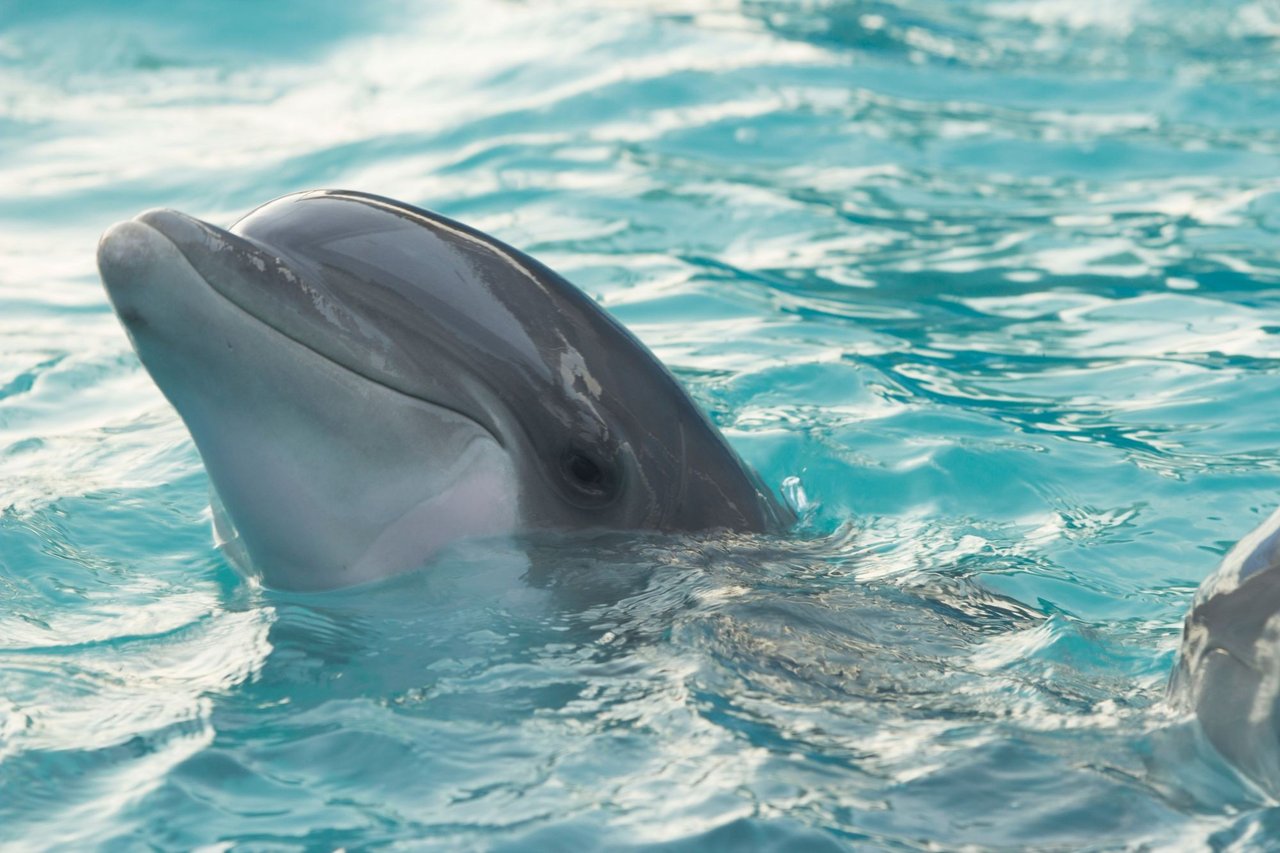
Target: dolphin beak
[
  {"x": 133, "y": 259},
  {"x": 129, "y": 251},
  {"x": 148, "y": 254},
  {"x": 193, "y": 237},
  {"x": 125, "y": 251},
  {"x": 134, "y": 252}
]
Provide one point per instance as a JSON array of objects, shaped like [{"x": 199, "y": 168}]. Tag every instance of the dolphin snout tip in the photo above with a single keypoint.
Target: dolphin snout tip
[{"x": 125, "y": 250}]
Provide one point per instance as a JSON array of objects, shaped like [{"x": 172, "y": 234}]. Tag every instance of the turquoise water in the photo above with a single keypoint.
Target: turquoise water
[{"x": 996, "y": 281}]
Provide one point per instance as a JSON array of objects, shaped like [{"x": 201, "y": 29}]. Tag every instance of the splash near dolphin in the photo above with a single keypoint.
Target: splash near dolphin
[{"x": 367, "y": 382}]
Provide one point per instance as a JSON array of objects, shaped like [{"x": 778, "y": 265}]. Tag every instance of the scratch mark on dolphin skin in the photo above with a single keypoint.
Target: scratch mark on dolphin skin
[{"x": 575, "y": 375}]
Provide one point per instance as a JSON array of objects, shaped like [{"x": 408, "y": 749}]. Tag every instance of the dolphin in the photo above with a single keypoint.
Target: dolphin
[
  {"x": 367, "y": 382},
  {"x": 1228, "y": 670}
]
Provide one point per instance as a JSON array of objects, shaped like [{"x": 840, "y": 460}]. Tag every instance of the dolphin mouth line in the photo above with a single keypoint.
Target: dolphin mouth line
[{"x": 267, "y": 324}]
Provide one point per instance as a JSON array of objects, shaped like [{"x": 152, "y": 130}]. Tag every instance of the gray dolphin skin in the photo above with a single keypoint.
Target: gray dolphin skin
[
  {"x": 367, "y": 382},
  {"x": 1228, "y": 671}
]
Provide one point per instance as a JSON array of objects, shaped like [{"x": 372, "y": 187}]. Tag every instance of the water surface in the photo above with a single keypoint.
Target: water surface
[{"x": 996, "y": 281}]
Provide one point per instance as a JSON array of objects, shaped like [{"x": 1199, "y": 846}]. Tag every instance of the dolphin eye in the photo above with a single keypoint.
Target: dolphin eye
[
  {"x": 584, "y": 470},
  {"x": 589, "y": 478}
]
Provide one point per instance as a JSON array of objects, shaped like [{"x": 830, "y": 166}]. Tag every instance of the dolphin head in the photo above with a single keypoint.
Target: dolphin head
[{"x": 367, "y": 382}]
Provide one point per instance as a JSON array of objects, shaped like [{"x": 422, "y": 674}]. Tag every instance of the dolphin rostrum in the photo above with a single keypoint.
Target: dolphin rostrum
[{"x": 367, "y": 382}]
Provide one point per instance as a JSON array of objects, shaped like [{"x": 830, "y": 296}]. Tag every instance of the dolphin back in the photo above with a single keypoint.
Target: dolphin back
[{"x": 1228, "y": 670}]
